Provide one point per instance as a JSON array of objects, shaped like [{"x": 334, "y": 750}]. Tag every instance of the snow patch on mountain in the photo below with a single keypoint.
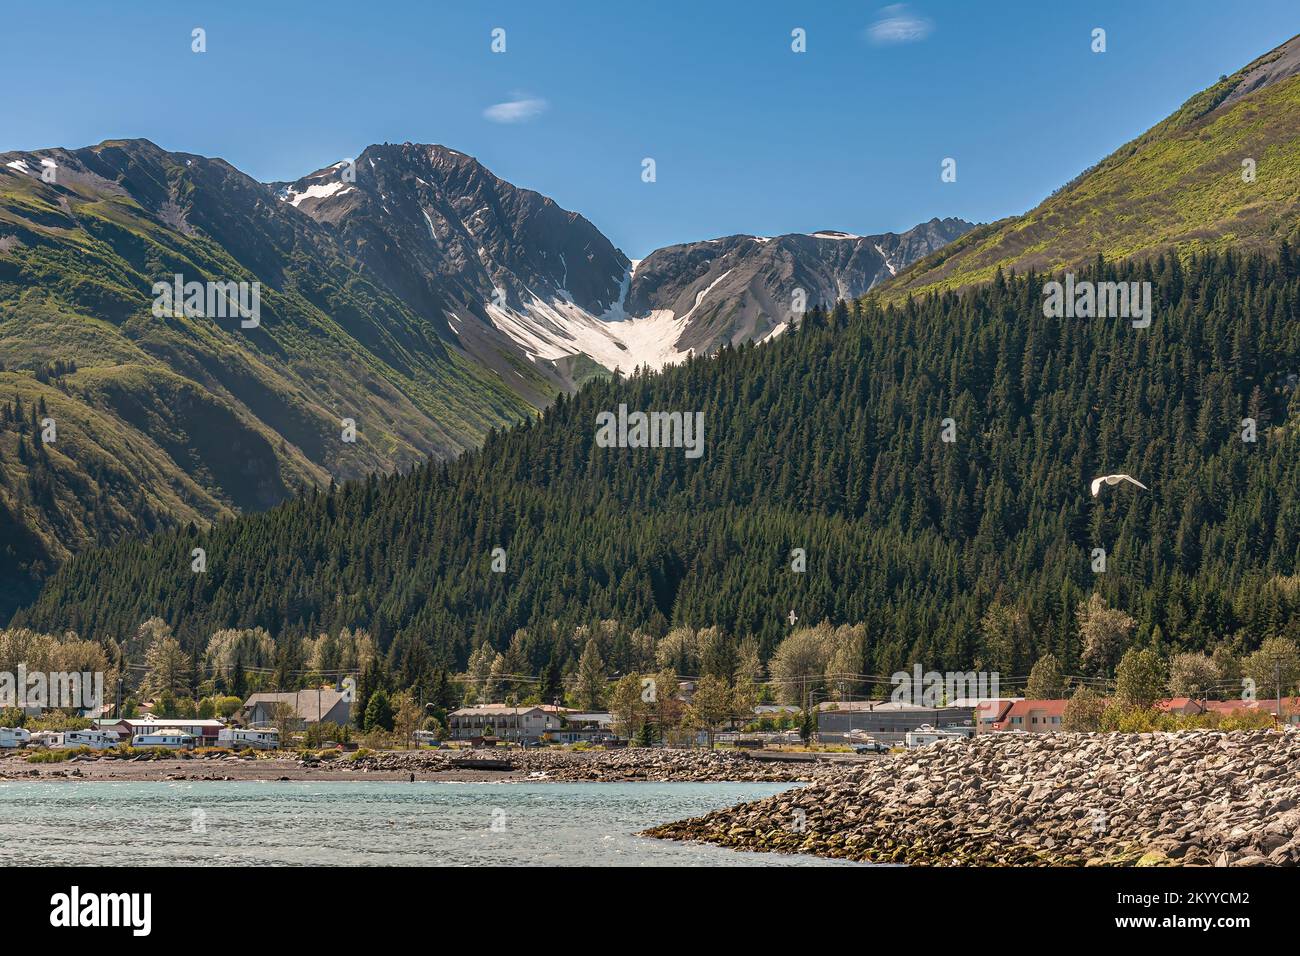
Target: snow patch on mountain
[
  {"x": 888, "y": 265},
  {"x": 314, "y": 191},
  {"x": 556, "y": 328}
]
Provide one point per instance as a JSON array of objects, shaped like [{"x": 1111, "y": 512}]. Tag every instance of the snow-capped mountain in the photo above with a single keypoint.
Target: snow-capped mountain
[
  {"x": 512, "y": 277},
  {"x": 746, "y": 288}
]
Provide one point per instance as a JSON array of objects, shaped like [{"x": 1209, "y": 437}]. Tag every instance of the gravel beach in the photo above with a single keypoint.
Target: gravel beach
[{"x": 627, "y": 765}]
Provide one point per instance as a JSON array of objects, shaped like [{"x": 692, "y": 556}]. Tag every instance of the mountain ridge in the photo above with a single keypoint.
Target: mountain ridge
[
  {"x": 426, "y": 304},
  {"x": 1179, "y": 187},
  {"x": 573, "y": 292}
]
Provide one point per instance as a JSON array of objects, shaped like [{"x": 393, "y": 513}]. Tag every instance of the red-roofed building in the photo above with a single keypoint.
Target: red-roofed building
[
  {"x": 989, "y": 711},
  {"x": 1290, "y": 707},
  {"x": 1180, "y": 705},
  {"x": 1033, "y": 716}
]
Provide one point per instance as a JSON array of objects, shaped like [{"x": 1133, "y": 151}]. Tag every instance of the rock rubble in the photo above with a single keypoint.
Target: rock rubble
[
  {"x": 630, "y": 764},
  {"x": 1188, "y": 798}
]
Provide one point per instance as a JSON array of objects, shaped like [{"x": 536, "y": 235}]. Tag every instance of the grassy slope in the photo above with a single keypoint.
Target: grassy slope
[
  {"x": 191, "y": 419},
  {"x": 1177, "y": 187}
]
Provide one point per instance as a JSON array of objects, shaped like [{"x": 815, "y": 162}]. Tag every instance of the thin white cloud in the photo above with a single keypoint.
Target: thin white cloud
[
  {"x": 518, "y": 110},
  {"x": 897, "y": 24}
]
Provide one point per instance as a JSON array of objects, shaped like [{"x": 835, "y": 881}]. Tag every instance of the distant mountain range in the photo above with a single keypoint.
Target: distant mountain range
[
  {"x": 743, "y": 288},
  {"x": 423, "y": 299},
  {"x": 508, "y": 275}
]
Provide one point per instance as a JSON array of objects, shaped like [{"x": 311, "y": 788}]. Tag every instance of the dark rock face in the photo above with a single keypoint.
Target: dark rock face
[
  {"x": 451, "y": 238},
  {"x": 742, "y": 288},
  {"x": 448, "y": 232},
  {"x": 510, "y": 275}
]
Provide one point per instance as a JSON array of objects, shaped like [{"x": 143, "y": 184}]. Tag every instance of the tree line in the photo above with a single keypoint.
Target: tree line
[{"x": 920, "y": 471}]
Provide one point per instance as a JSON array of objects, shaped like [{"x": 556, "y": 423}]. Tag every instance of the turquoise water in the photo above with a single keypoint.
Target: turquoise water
[{"x": 204, "y": 823}]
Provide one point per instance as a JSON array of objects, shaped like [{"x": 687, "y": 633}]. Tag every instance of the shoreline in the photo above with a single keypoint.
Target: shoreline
[
  {"x": 1192, "y": 798},
  {"x": 631, "y": 765}
]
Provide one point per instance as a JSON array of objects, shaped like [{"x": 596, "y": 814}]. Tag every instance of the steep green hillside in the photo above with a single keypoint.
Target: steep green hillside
[
  {"x": 828, "y": 439},
  {"x": 1179, "y": 187},
  {"x": 179, "y": 419}
]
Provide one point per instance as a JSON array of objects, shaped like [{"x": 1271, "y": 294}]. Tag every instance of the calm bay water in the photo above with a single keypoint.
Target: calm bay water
[{"x": 365, "y": 823}]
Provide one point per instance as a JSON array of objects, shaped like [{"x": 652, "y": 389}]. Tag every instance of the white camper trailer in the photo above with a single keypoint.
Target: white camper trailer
[
  {"x": 94, "y": 739},
  {"x": 11, "y": 737},
  {"x": 170, "y": 739},
  {"x": 47, "y": 738},
  {"x": 925, "y": 735},
  {"x": 259, "y": 738}
]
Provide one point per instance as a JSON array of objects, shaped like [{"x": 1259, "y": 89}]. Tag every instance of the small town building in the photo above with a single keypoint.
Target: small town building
[
  {"x": 112, "y": 725},
  {"x": 1180, "y": 705},
  {"x": 1033, "y": 716},
  {"x": 887, "y": 721},
  {"x": 577, "y": 727},
  {"x": 987, "y": 711},
  {"x": 203, "y": 730},
  {"x": 523, "y": 723},
  {"x": 1288, "y": 717},
  {"x": 298, "y": 709}
]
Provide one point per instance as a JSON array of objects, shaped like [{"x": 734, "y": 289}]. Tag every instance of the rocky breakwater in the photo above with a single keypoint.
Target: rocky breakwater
[
  {"x": 633, "y": 763},
  {"x": 1188, "y": 798}
]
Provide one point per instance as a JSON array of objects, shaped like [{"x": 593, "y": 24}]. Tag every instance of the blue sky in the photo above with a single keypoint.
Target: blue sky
[{"x": 747, "y": 135}]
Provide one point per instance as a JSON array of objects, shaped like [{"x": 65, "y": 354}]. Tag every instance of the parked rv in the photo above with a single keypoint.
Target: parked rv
[
  {"x": 925, "y": 735},
  {"x": 259, "y": 738},
  {"x": 94, "y": 739},
  {"x": 12, "y": 737},
  {"x": 170, "y": 739}
]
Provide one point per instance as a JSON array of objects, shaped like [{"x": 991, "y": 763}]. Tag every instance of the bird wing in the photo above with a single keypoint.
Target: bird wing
[
  {"x": 1135, "y": 481},
  {"x": 1096, "y": 486}
]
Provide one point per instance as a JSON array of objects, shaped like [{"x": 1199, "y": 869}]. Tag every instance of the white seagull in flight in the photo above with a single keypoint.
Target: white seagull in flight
[{"x": 1114, "y": 480}]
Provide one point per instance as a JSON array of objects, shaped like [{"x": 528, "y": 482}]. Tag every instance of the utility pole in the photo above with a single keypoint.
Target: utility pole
[
  {"x": 1277, "y": 686},
  {"x": 122, "y": 670}
]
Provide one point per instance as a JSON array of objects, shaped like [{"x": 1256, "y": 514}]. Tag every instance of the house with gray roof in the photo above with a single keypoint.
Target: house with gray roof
[{"x": 308, "y": 707}]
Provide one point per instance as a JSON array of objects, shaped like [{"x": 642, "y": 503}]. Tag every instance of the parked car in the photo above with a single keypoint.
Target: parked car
[
  {"x": 863, "y": 743},
  {"x": 873, "y": 747}
]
